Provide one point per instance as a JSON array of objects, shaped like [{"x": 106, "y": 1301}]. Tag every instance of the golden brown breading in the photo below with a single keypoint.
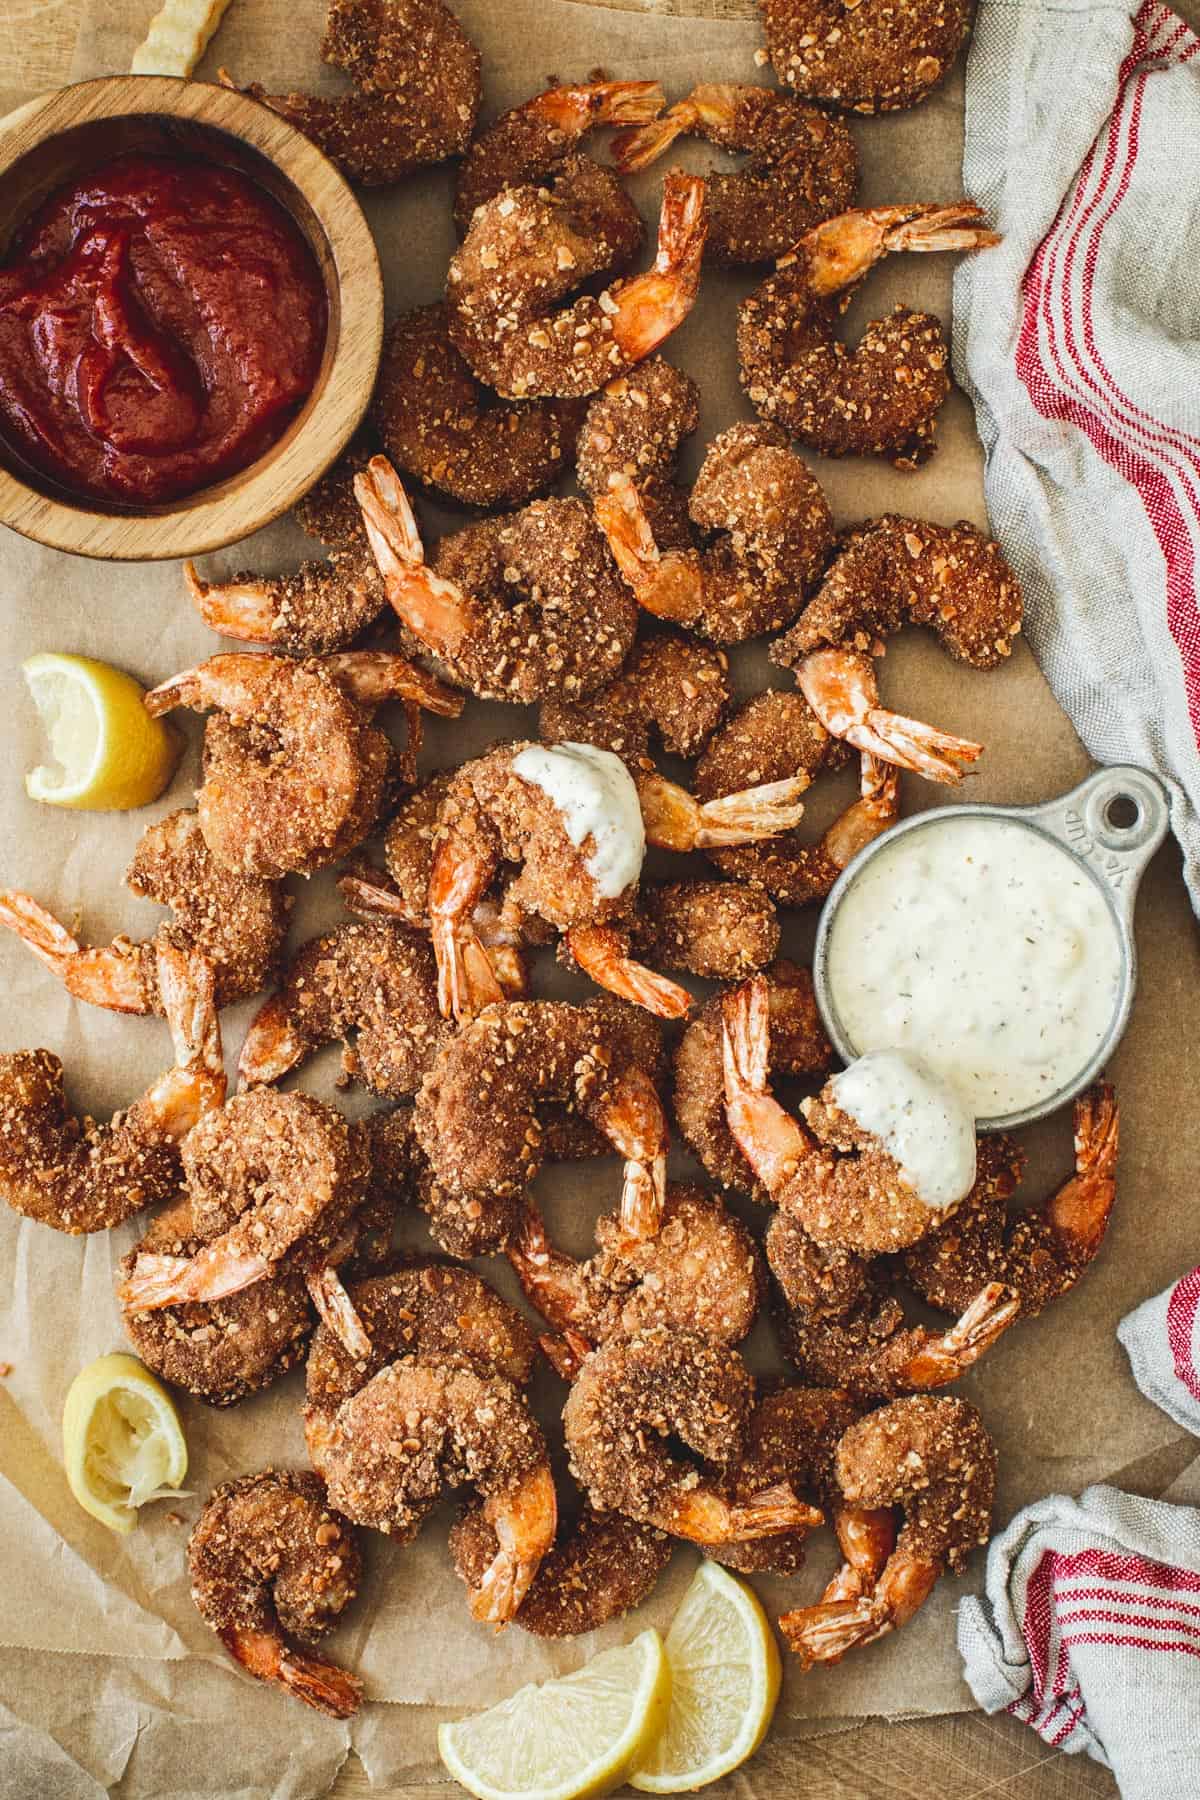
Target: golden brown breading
[{"x": 877, "y": 56}]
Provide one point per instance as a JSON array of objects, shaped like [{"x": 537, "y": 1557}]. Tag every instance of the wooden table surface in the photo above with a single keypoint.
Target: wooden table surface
[{"x": 960, "y": 1757}]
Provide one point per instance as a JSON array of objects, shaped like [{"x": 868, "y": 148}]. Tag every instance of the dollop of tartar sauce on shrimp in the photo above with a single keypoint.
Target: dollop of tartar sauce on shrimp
[
  {"x": 986, "y": 948},
  {"x": 920, "y": 1121},
  {"x": 595, "y": 793}
]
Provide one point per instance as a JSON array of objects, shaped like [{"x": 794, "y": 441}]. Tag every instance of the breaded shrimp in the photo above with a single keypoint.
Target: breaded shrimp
[
  {"x": 671, "y": 685},
  {"x": 719, "y": 930},
  {"x": 377, "y": 980},
  {"x": 931, "y": 1456},
  {"x": 423, "y": 1426},
  {"x": 80, "y": 1176},
  {"x": 513, "y": 608},
  {"x": 635, "y": 427},
  {"x": 1040, "y": 1252},
  {"x": 477, "y": 1112},
  {"x": 600, "y": 1567},
  {"x": 270, "y": 1562},
  {"x": 237, "y": 921},
  {"x": 797, "y": 1047},
  {"x": 530, "y": 247},
  {"x": 633, "y": 1393},
  {"x": 881, "y": 399},
  {"x": 802, "y": 168},
  {"x": 773, "y": 532},
  {"x": 418, "y": 88},
  {"x": 294, "y": 770},
  {"x": 891, "y": 572},
  {"x": 876, "y": 56},
  {"x": 530, "y": 141},
  {"x": 455, "y": 436}
]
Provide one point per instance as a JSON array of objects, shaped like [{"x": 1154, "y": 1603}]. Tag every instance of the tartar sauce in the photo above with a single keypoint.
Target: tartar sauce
[
  {"x": 987, "y": 949},
  {"x": 595, "y": 793},
  {"x": 919, "y": 1119}
]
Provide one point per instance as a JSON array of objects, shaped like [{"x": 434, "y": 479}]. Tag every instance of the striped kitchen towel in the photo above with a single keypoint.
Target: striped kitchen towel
[
  {"x": 1162, "y": 1339},
  {"x": 1090, "y": 1632},
  {"x": 1078, "y": 340}
]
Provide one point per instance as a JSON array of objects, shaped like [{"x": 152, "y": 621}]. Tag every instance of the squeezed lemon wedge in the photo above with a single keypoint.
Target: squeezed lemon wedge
[
  {"x": 122, "y": 1441},
  {"x": 106, "y": 751},
  {"x": 725, "y": 1677},
  {"x": 565, "y": 1739}
]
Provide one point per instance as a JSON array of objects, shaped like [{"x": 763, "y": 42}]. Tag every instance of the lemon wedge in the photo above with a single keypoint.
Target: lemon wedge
[
  {"x": 122, "y": 1440},
  {"x": 107, "y": 752},
  {"x": 569, "y": 1738},
  {"x": 725, "y": 1678}
]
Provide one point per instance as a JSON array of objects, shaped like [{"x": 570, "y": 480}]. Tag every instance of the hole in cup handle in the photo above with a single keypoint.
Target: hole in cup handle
[{"x": 1114, "y": 821}]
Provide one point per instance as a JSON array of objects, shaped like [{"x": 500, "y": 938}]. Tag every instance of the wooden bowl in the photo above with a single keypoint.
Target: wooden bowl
[{"x": 52, "y": 140}]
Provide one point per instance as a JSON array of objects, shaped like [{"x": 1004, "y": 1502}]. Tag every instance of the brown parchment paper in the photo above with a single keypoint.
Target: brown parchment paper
[{"x": 107, "y": 1676}]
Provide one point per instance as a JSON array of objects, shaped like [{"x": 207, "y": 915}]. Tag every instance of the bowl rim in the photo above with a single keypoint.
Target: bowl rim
[{"x": 246, "y": 501}]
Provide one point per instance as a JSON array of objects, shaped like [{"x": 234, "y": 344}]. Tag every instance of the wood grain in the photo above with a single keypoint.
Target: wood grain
[{"x": 959, "y": 1757}]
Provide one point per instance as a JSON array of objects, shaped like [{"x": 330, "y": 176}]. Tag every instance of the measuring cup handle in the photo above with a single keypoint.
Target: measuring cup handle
[{"x": 1114, "y": 821}]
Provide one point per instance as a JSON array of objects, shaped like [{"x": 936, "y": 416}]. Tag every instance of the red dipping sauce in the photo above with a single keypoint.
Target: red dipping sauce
[{"x": 161, "y": 322}]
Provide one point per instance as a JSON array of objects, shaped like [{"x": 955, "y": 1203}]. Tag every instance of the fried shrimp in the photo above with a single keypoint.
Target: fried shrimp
[
  {"x": 773, "y": 532},
  {"x": 418, "y": 83},
  {"x": 514, "y": 607},
  {"x": 881, "y": 399},
  {"x": 270, "y": 1562},
  {"x": 376, "y": 979},
  {"x": 931, "y": 1456},
  {"x": 672, "y": 687},
  {"x": 599, "y": 1568},
  {"x": 530, "y": 141},
  {"x": 81, "y": 1176},
  {"x": 530, "y": 247},
  {"x": 878, "y": 56},
  {"x": 893, "y": 571},
  {"x": 634, "y": 1393},
  {"x": 237, "y": 921},
  {"x": 294, "y": 769},
  {"x": 323, "y": 605},
  {"x": 271, "y": 1177},
  {"x": 702, "y": 1272},
  {"x": 797, "y": 1046},
  {"x": 418, "y": 1308},
  {"x": 635, "y": 427},
  {"x": 224, "y": 1350},
  {"x": 477, "y": 1114},
  {"x": 454, "y": 435},
  {"x": 802, "y": 168},
  {"x": 1041, "y": 1252},
  {"x": 423, "y": 1426},
  {"x": 719, "y": 930}
]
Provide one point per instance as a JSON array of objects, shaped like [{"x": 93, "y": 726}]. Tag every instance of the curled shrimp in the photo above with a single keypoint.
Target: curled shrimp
[
  {"x": 477, "y": 1112},
  {"x": 931, "y": 1456},
  {"x": 633, "y": 1393},
  {"x": 797, "y": 1046},
  {"x": 671, "y": 686},
  {"x": 80, "y": 1176},
  {"x": 531, "y": 141},
  {"x": 802, "y": 168},
  {"x": 878, "y": 56},
  {"x": 272, "y": 1565},
  {"x": 599, "y": 1568},
  {"x": 237, "y": 921},
  {"x": 881, "y": 399},
  {"x": 635, "y": 427},
  {"x": 894, "y": 571},
  {"x": 454, "y": 435},
  {"x": 514, "y": 607},
  {"x": 417, "y": 89},
  {"x": 1040, "y": 1252},
  {"x": 529, "y": 248},
  {"x": 422, "y": 1426},
  {"x": 773, "y": 531},
  {"x": 701, "y": 1272},
  {"x": 294, "y": 769}
]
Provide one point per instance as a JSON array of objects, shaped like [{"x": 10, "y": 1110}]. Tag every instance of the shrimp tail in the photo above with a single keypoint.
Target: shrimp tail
[
  {"x": 670, "y": 586},
  {"x": 840, "y": 251},
  {"x": 914, "y": 745},
  {"x": 337, "y": 1311},
  {"x": 675, "y": 820},
  {"x": 1078, "y": 1213},
  {"x": 466, "y": 980},
  {"x": 566, "y": 1354},
  {"x": 773, "y": 1510},
  {"x": 323, "y": 1686},
  {"x": 373, "y": 676},
  {"x": 772, "y": 1142},
  {"x": 110, "y": 977},
  {"x": 237, "y": 609},
  {"x": 651, "y": 306},
  {"x": 196, "y": 1085},
  {"x": 272, "y": 1045},
  {"x": 601, "y": 953},
  {"x": 368, "y": 899},
  {"x": 157, "y": 1281},
  {"x": 435, "y": 610},
  {"x": 945, "y": 1358},
  {"x": 823, "y": 1633},
  {"x": 634, "y": 150}
]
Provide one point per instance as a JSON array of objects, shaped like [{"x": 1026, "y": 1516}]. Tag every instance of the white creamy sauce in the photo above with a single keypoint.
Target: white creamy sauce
[
  {"x": 919, "y": 1119},
  {"x": 595, "y": 793},
  {"x": 985, "y": 948}
]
